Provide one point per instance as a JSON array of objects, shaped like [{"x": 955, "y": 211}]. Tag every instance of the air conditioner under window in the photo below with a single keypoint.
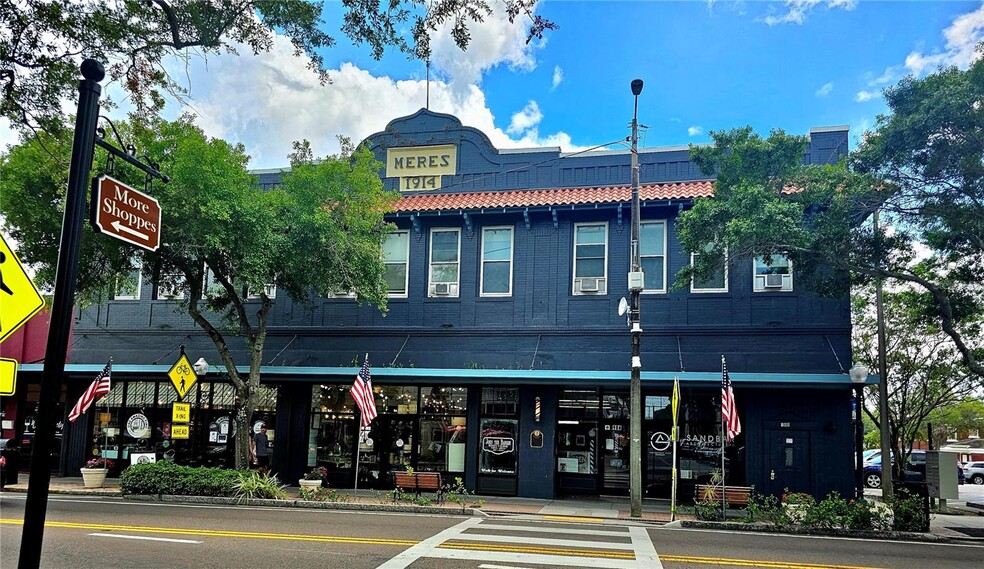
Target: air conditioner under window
[
  {"x": 773, "y": 280},
  {"x": 590, "y": 284},
  {"x": 444, "y": 289}
]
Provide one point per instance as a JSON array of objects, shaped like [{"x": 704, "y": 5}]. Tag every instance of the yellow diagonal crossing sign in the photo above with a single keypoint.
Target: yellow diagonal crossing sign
[
  {"x": 19, "y": 298},
  {"x": 182, "y": 375}
]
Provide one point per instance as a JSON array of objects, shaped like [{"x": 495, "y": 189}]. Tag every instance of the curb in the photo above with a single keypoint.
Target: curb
[
  {"x": 296, "y": 503},
  {"x": 793, "y": 530}
]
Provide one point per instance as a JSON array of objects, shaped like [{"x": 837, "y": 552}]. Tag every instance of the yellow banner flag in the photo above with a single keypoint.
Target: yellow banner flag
[{"x": 676, "y": 399}]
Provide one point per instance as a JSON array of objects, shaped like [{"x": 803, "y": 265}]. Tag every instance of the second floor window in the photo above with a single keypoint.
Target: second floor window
[
  {"x": 128, "y": 285},
  {"x": 717, "y": 281},
  {"x": 497, "y": 246},
  {"x": 652, "y": 254},
  {"x": 774, "y": 273},
  {"x": 590, "y": 258},
  {"x": 396, "y": 256},
  {"x": 444, "y": 255},
  {"x": 171, "y": 287}
]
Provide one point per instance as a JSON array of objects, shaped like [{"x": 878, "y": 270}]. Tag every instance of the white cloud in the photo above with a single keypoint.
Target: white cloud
[
  {"x": 494, "y": 42},
  {"x": 8, "y": 137},
  {"x": 558, "y": 76},
  {"x": 865, "y": 96},
  {"x": 525, "y": 119},
  {"x": 962, "y": 37},
  {"x": 269, "y": 100},
  {"x": 695, "y": 130},
  {"x": 825, "y": 90},
  {"x": 798, "y": 9}
]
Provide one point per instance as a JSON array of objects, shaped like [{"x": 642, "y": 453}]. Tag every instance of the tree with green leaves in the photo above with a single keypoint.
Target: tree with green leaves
[
  {"x": 224, "y": 239},
  {"x": 922, "y": 167},
  {"x": 925, "y": 373},
  {"x": 42, "y": 42}
]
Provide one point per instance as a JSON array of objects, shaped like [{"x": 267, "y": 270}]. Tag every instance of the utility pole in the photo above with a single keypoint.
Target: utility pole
[
  {"x": 883, "y": 412},
  {"x": 635, "y": 286}
]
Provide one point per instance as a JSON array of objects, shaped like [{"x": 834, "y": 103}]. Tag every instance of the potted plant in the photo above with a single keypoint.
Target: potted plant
[
  {"x": 315, "y": 478},
  {"x": 95, "y": 470}
]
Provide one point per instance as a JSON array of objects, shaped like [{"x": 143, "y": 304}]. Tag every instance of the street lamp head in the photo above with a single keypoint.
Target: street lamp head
[
  {"x": 859, "y": 373},
  {"x": 636, "y": 87},
  {"x": 200, "y": 367}
]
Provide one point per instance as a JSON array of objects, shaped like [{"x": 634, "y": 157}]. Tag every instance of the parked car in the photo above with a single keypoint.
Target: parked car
[
  {"x": 974, "y": 472},
  {"x": 915, "y": 470}
]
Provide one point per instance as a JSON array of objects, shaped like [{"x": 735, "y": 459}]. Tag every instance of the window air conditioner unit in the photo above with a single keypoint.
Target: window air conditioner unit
[
  {"x": 442, "y": 289},
  {"x": 590, "y": 284},
  {"x": 773, "y": 280}
]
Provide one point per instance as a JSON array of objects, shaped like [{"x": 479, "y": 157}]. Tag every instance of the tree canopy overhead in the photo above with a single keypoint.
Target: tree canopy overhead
[
  {"x": 42, "y": 42},
  {"x": 224, "y": 240},
  {"x": 922, "y": 167}
]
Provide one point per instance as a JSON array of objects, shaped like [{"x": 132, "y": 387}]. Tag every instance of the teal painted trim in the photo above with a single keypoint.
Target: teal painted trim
[{"x": 477, "y": 376}]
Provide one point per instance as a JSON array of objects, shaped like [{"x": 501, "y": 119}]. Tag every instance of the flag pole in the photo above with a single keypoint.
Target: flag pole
[
  {"x": 358, "y": 451},
  {"x": 724, "y": 437}
]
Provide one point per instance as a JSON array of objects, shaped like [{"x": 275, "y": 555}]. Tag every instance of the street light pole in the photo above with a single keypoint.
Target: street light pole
[
  {"x": 859, "y": 374},
  {"x": 635, "y": 286}
]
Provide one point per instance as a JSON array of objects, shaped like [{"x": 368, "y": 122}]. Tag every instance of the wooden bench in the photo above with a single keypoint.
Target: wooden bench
[
  {"x": 417, "y": 481},
  {"x": 733, "y": 495}
]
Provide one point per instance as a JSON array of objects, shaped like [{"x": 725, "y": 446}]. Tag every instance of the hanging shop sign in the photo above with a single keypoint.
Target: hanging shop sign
[
  {"x": 125, "y": 213},
  {"x": 498, "y": 445},
  {"x": 421, "y": 167}
]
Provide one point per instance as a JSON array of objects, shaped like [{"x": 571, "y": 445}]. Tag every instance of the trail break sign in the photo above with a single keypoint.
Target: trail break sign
[
  {"x": 126, "y": 214},
  {"x": 19, "y": 298}
]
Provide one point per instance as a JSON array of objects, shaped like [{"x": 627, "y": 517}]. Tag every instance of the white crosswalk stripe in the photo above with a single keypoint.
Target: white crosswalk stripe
[{"x": 522, "y": 544}]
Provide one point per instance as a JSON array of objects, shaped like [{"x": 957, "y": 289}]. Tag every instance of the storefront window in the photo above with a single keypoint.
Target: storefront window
[
  {"x": 577, "y": 431},
  {"x": 442, "y": 429},
  {"x": 396, "y": 399},
  {"x": 497, "y": 452}
]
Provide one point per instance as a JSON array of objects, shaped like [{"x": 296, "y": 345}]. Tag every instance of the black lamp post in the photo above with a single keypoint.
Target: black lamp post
[
  {"x": 859, "y": 374},
  {"x": 635, "y": 279}
]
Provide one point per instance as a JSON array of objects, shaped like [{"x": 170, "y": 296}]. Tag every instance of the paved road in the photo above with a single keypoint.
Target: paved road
[{"x": 85, "y": 532}]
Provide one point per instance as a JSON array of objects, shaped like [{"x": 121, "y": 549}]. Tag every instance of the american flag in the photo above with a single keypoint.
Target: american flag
[
  {"x": 98, "y": 388},
  {"x": 729, "y": 411},
  {"x": 362, "y": 393}
]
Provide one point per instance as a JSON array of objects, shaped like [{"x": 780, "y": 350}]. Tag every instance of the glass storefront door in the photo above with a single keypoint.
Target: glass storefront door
[
  {"x": 615, "y": 457},
  {"x": 388, "y": 447}
]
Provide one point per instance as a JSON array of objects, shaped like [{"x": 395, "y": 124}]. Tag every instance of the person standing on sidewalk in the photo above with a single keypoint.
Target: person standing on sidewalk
[{"x": 262, "y": 443}]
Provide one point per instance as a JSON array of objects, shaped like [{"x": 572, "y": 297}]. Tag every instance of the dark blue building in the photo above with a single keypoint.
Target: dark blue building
[{"x": 502, "y": 358}]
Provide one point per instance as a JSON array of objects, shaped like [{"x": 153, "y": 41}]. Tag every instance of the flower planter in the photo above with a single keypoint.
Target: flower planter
[
  {"x": 309, "y": 483},
  {"x": 94, "y": 477}
]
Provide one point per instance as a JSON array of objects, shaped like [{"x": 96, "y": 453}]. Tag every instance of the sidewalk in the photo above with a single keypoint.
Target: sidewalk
[{"x": 960, "y": 523}]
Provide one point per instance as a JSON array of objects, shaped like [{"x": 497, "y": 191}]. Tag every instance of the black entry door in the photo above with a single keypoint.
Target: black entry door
[
  {"x": 391, "y": 449},
  {"x": 788, "y": 466}
]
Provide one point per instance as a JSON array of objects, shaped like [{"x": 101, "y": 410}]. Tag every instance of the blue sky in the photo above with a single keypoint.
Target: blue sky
[{"x": 707, "y": 65}]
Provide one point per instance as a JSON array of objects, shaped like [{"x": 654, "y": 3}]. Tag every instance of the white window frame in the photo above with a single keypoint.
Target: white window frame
[
  {"x": 406, "y": 262},
  {"x": 208, "y": 278},
  {"x": 604, "y": 277},
  {"x": 270, "y": 289},
  {"x": 172, "y": 293},
  {"x": 431, "y": 264},
  {"x": 758, "y": 280},
  {"x": 136, "y": 295},
  {"x": 512, "y": 250},
  {"x": 646, "y": 289},
  {"x": 693, "y": 283}
]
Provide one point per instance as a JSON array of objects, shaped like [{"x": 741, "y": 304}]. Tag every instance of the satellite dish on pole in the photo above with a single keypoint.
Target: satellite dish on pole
[{"x": 623, "y": 306}]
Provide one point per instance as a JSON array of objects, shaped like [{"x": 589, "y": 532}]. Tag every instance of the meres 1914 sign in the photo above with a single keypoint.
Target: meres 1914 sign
[{"x": 125, "y": 213}]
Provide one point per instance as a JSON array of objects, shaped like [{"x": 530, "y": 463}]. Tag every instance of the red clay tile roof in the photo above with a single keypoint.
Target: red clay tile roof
[{"x": 553, "y": 197}]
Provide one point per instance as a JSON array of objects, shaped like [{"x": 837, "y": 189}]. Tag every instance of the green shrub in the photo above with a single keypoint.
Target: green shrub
[
  {"x": 253, "y": 485},
  {"x": 166, "y": 477},
  {"x": 908, "y": 511}
]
